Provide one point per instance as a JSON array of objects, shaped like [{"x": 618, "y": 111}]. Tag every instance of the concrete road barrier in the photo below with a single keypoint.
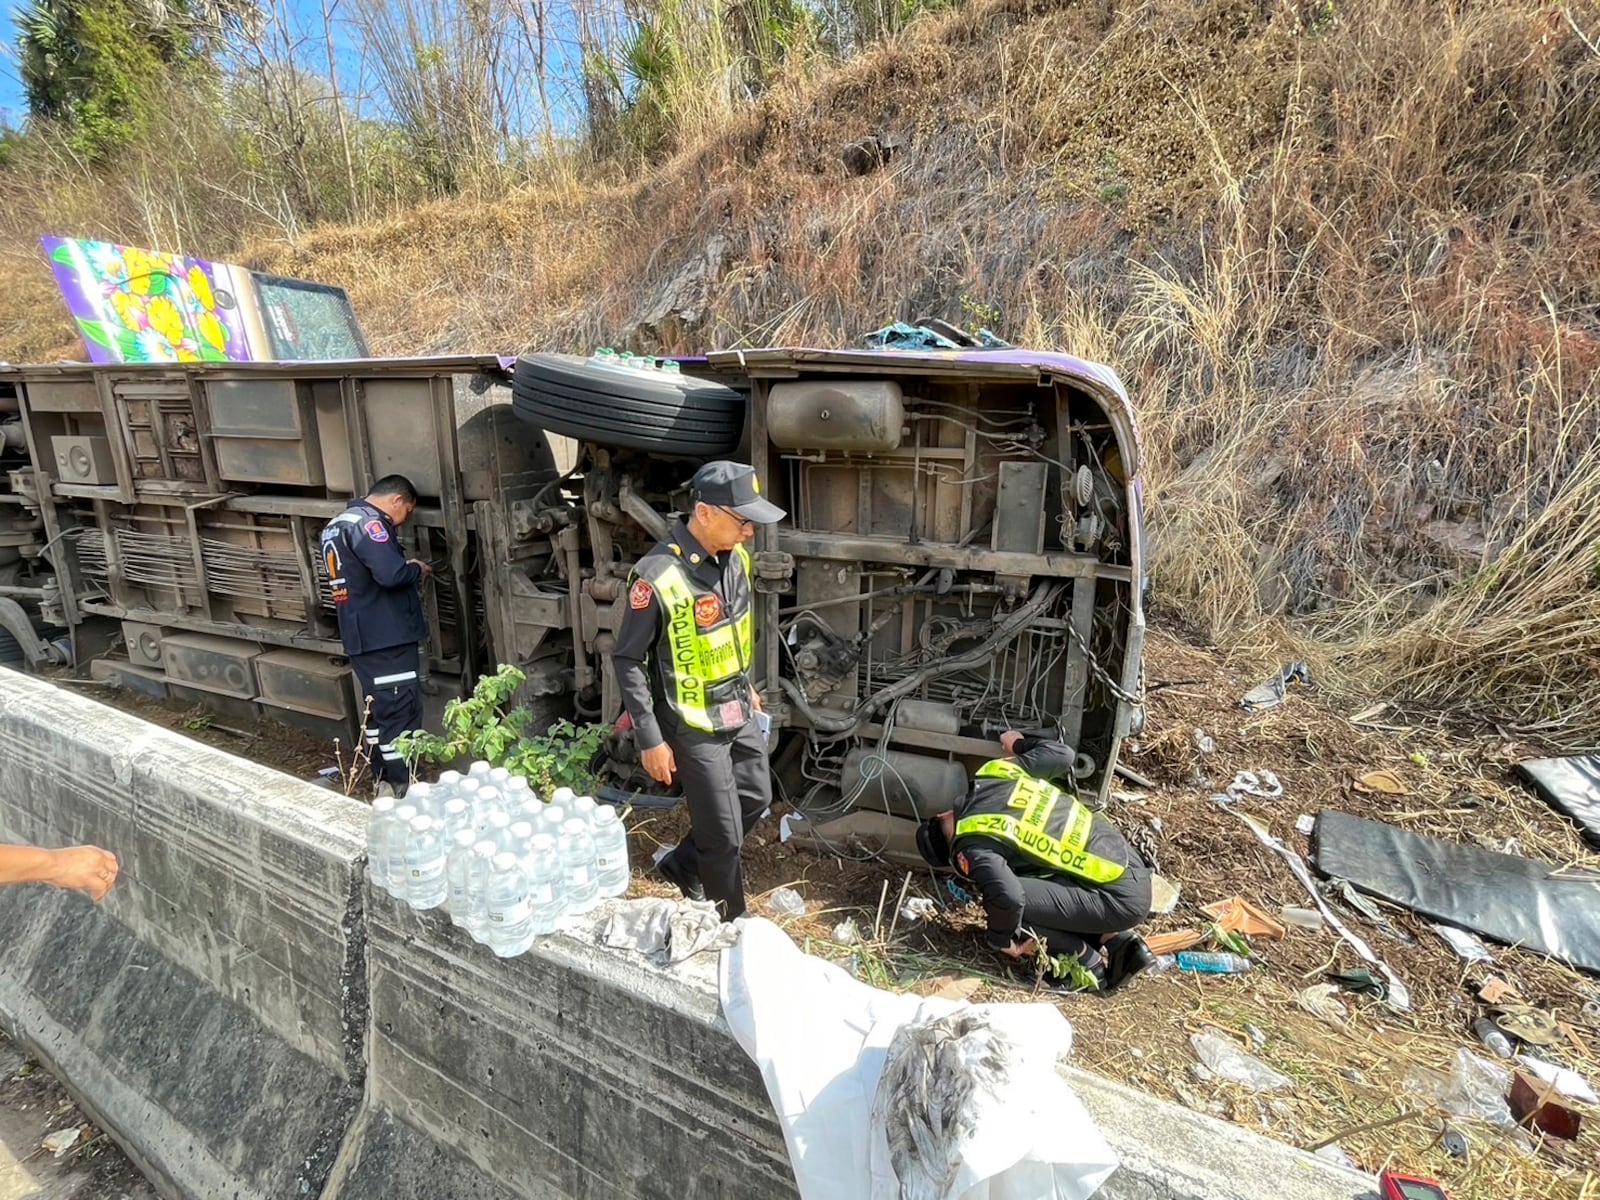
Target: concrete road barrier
[
  {"x": 212, "y": 1012},
  {"x": 249, "y": 1020}
]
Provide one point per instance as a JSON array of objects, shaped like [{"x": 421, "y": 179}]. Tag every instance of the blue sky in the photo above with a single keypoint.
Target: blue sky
[{"x": 12, "y": 110}]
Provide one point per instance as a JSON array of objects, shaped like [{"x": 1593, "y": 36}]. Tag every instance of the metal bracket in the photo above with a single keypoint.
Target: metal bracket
[{"x": 15, "y": 622}]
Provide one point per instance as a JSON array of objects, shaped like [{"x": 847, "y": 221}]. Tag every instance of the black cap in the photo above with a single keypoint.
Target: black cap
[
  {"x": 932, "y": 843},
  {"x": 734, "y": 486}
]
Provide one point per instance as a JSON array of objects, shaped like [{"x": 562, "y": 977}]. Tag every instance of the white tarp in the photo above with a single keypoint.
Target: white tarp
[{"x": 821, "y": 1039}]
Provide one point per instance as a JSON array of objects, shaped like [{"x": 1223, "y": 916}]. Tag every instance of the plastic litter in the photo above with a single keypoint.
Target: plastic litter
[
  {"x": 1454, "y": 1144},
  {"x": 1301, "y": 918},
  {"x": 957, "y": 893},
  {"x": 786, "y": 825},
  {"x": 1270, "y": 692},
  {"x": 787, "y": 902},
  {"x": 1305, "y": 824},
  {"x": 846, "y": 932},
  {"x": 918, "y": 908},
  {"x": 1204, "y": 742},
  {"x": 1322, "y": 1001},
  {"x": 1229, "y": 1062},
  {"x": 1475, "y": 1088},
  {"x": 1493, "y": 1039},
  {"x": 1385, "y": 782},
  {"x": 62, "y": 1140},
  {"x": 1527, "y": 1023},
  {"x": 1212, "y": 963},
  {"x": 1463, "y": 943}
]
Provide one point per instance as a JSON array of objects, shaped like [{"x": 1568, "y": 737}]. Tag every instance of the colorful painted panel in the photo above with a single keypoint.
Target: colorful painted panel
[{"x": 134, "y": 305}]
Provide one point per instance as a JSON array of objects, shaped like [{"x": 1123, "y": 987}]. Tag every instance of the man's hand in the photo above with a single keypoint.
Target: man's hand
[
  {"x": 755, "y": 700},
  {"x": 659, "y": 763},
  {"x": 87, "y": 868},
  {"x": 421, "y": 566},
  {"x": 1022, "y": 948},
  {"x": 1009, "y": 740}
]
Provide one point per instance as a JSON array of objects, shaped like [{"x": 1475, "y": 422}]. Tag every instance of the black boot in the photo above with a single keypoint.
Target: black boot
[{"x": 1126, "y": 955}]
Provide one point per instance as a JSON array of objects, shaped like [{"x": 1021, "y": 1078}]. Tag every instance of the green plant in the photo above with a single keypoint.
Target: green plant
[{"x": 481, "y": 727}]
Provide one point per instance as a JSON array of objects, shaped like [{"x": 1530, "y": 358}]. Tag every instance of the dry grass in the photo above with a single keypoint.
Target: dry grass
[{"x": 1346, "y": 257}]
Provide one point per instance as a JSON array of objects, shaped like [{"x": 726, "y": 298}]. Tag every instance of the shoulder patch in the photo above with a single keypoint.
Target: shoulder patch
[
  {"x": 376, "y": 530},
  {"x": 961, "y": 863},
  {"x": 640, "y": 595}
]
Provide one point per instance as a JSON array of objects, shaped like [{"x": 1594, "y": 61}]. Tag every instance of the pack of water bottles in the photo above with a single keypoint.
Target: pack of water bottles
[{"x": 506, "y": 863}]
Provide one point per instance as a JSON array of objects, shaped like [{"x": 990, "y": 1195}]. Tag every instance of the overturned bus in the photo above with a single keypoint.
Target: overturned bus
[{"x": 961, "y": 555}]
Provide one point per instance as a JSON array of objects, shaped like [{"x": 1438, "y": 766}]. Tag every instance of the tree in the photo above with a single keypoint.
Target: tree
[{"x": 101, "y": 66}]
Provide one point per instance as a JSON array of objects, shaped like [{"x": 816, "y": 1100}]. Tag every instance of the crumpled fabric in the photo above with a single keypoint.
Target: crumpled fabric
[{"x": 666, "y": 931}]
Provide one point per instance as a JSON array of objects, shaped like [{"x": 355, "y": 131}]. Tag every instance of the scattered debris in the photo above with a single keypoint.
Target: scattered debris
[
  {"x": 1163, "y": 895},
  {"x": 1263, "y": 786},
  {"x": 1492, "y": 1037},
  {"x": 1494, "y": 989},
  {"x": 1270, "y": 693},
  {"x": 1362, "y": 982},
  {"x": 1513, "y": 900},
  {"x": 1305, "y": 824},
  {"x": 1334, "y": 1154},
  {"x": 1385, "y": 781},
  {"x": 1475, "y": 1088},
  {"x": 918, "y": 908},
  {"x": 1229, "y": 1062},
  {"x": 1238, "y": 915},
  {"x": 1308, "y": 919},
  {"x": 1204, "y": 742},
  {"x": 1322, "y": 1001},
  {"x": 846, "y": 932},
  {"x": 1526, "y": 1023},
  {"x": 62, "y": 1140},
  {"x": 1340, "y": 889},
  {"x": 956, "y": 987},
  {"x": 1569, "y": 1083},
  {"x": 1395, "y": 994},
  {"x": 1464, "y": 943},
  {"x": 786, "y": 902},
  {"x": 1170, "y": 943},
  {"x": 1532, "y": 1103}
]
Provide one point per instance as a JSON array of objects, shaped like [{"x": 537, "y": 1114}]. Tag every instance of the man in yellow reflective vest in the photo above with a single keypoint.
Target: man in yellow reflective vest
[
  {"x": 1048, "y": 870},
  {"x": 683, "y": 658}
]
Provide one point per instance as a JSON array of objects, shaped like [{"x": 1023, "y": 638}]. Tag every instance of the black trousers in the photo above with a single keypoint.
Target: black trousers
[
  {"x": 392, "y": 692},
  {"x": 1073, "y": 917},
  {"x": 727, "y": 784}
]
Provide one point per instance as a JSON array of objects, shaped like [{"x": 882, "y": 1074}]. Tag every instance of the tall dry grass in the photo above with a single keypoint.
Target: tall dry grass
[{"x": 1346, "y": 257}]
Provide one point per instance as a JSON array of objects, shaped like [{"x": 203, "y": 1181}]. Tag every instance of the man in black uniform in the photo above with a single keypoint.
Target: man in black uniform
[
  {"x": 683, "y": 660},
  {"x": 380, "y": 618},
  {"x": 1047, "y": 868}
]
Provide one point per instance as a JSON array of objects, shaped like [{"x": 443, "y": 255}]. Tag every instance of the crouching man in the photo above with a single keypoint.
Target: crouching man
[{"x": 1048, "y": 870}]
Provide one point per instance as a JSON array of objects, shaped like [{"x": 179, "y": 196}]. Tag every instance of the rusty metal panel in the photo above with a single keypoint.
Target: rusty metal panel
[
  {"x": 1019, "y": 512},
  {"x": 334, "y": 437}
]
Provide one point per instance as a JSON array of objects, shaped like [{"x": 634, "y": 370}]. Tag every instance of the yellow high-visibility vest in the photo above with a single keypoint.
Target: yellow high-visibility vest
[
  {"x": 1040, "y": 826},
  {"x": 698, "y": 659}
]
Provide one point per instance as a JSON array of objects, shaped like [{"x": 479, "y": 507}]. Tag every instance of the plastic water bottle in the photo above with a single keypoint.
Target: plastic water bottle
[
  {"x": 483, "y": 853},
  {"x": 603, "y": 357},
  {"x": 521, "y": 834},
  {"x": 500, "y": 776},
  {"x": 1493, "y": 1037},
  {"x": 563, "y": 796},
  {"x": 457, "y": 870},
  {"x": 1214, "y": 963},
  {"x": 497, "y": 829},
  {"x": 671, "y": 366},
  {"x": 577, "y": 862},
  {"x": 457, "y": 816},
  {"x": 508, "y": 927},
  {"x": 425, "y": 861},
  {"x": 480, "y": 769},
  {"x": 378, "y": 822},
  {"x": 583, "y": 807},
  {"x": 449, "y": 783},
  {"x": 547, "y": 896},
  {"x": 425, "y": 800},
  {"x": 610, "y": 853},
  {"x": 551, "y": 818},
  {"x": 394, "y": 858}
]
